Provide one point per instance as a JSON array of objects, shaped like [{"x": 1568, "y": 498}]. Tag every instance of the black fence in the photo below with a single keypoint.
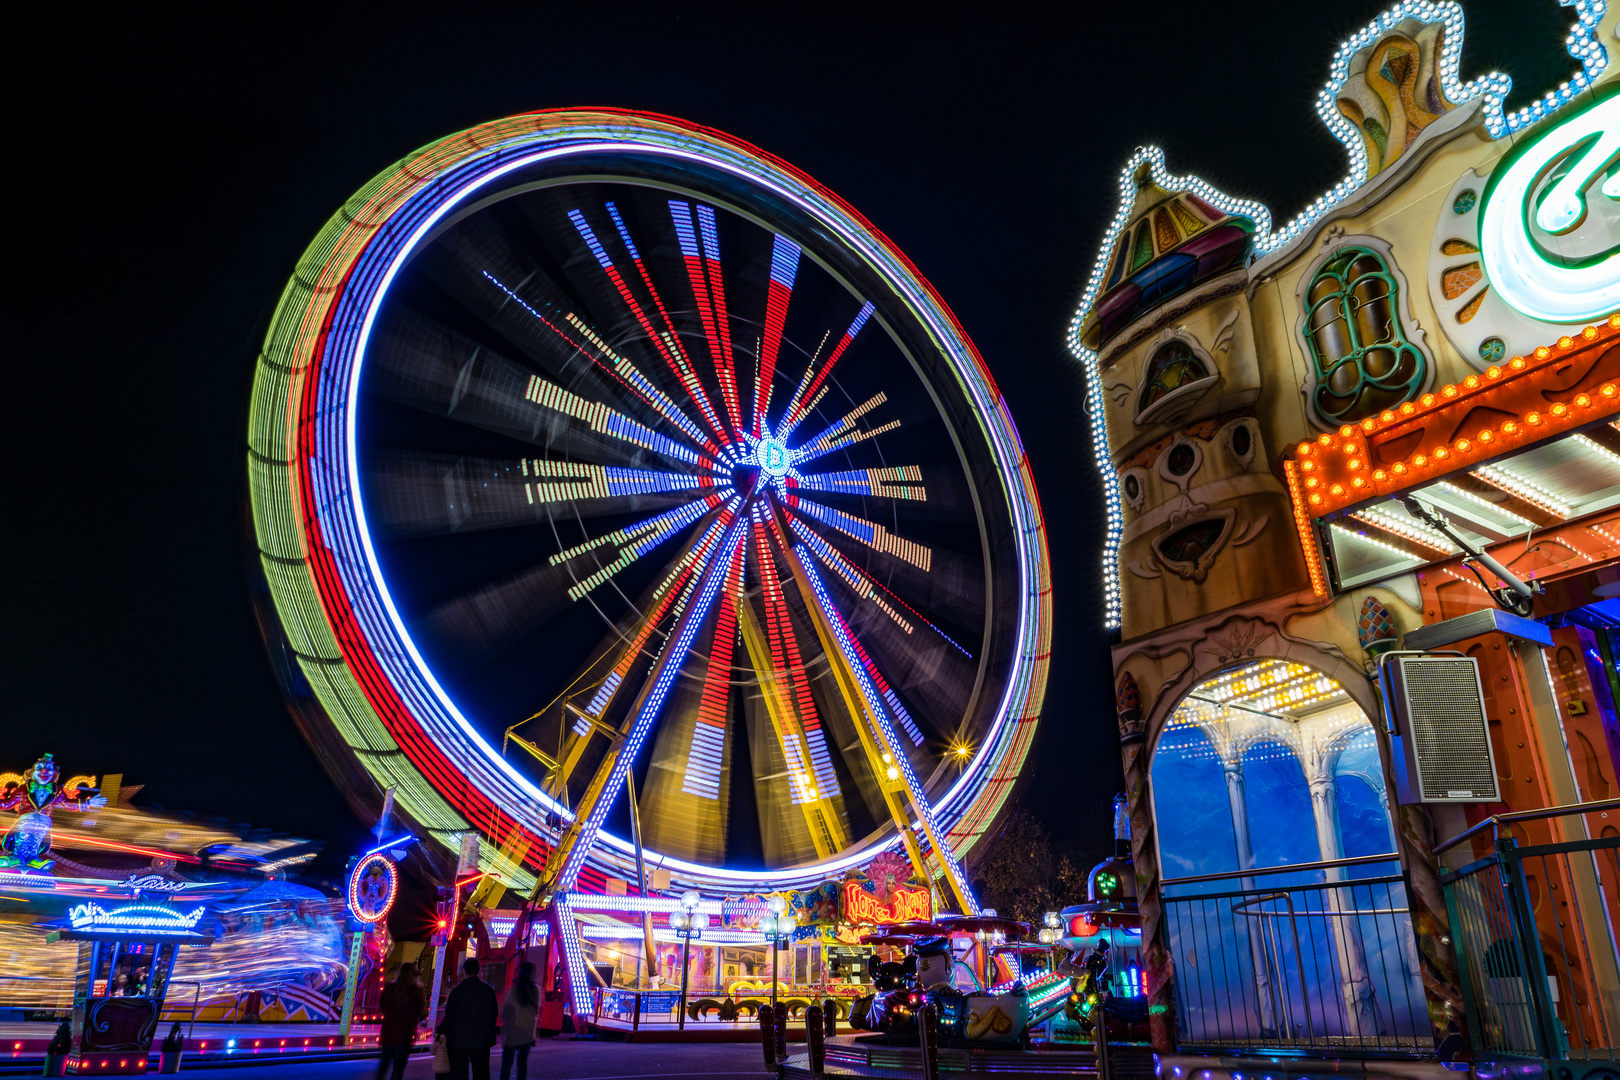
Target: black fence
[{"x": 1318, "y": 957}]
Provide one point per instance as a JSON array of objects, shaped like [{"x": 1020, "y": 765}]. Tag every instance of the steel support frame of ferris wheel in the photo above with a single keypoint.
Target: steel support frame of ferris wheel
[{"x": 871, "y": 721}]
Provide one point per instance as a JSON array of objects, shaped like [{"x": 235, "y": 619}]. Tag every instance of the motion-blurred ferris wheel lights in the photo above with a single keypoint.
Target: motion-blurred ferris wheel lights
[{"x": 709, "y": 448}]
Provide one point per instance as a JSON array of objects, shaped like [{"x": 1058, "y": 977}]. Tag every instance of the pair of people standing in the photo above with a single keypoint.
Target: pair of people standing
[{"x": 469, "y": 1028}]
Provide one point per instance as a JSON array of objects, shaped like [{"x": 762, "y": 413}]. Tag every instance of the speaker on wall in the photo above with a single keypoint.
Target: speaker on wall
[{"x": 1441, "y": 742}]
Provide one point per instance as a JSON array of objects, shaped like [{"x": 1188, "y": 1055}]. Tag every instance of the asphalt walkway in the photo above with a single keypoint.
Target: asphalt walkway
[{"x": 564, "y": 1058}]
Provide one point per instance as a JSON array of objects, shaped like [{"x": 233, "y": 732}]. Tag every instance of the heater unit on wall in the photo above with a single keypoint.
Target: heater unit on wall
[{"x": 1441, "y": 743}]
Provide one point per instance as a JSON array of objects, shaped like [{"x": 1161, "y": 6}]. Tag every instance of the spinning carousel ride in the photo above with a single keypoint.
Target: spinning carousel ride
[{"x": 594, "y": 451}]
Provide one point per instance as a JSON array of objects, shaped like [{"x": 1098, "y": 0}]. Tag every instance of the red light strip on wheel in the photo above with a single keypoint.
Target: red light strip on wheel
[
  {"x": 807, "y": 391},
  {"x": 683, "y": 371},
  {"x": 671, "y": 336},
  {"x": 707, "y": 754},
  {"x": 696, "y": 272},
  {"x": 785, "y": 656}
]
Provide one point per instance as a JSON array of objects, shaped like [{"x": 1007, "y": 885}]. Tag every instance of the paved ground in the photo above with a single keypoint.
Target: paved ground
[{"x": 551, "y": 1059}]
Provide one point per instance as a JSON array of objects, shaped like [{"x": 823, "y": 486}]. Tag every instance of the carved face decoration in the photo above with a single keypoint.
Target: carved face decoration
[{"x": 1205, "y": 523}]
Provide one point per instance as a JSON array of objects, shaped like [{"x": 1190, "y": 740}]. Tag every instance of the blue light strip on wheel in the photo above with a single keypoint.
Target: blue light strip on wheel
[{"x": 573, "y": 955}]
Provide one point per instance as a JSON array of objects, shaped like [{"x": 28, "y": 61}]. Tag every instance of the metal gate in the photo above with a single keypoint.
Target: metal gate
[{"x": 1534, "y": 933}]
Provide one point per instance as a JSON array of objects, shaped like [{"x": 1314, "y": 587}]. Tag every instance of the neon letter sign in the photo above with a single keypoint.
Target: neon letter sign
[
  {"x": 907, "y": 903},
  {"x": 1529, "y": 277}
]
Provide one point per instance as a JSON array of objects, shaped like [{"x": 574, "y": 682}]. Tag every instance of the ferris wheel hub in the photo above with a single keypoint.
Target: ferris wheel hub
[{"x": 772, "y": 458}]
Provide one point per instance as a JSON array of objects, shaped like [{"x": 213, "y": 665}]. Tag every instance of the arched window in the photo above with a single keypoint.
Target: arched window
[
  {"x": 1172, "y": 367},
  {"x": 1361, "y": 358},
  {"x": 1364, "y": 827}
]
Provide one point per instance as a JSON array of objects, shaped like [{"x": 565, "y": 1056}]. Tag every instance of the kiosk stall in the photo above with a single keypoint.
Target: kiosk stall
[{"x": 126, "y": 956}]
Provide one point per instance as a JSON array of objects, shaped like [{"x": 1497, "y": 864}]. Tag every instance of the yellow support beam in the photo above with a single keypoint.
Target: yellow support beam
[
  {"x": 820, "y": 814},
  {"x": 882, "y": 756},
  {"x": 539, "y": 755}
]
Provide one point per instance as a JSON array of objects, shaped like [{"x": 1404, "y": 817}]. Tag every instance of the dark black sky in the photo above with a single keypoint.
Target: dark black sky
[{"x": 167, "y": 169}]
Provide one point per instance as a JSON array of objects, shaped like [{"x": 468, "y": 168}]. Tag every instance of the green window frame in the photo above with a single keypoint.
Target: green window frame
[{"x": 1360, "y": 355}]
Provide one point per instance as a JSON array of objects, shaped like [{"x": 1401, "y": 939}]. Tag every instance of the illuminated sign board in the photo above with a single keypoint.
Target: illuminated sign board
[
  {"x": 906, "y": 903},
  {"x": 1549, "y": 225},
  {"x": 744, "y": 913},
  {"x": 137, "y": 920},
  {"x": 153, "y": 883}
]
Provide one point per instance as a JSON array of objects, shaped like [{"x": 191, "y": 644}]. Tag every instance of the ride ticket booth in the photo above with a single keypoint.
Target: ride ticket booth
[{"x": 126, "y": 957}]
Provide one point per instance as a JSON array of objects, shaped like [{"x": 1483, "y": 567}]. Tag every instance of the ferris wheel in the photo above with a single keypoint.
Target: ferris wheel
[{"x": 595, "y": 452}]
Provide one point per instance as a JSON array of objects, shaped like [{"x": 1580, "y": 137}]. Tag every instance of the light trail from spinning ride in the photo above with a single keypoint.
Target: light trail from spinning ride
[{"x": 611, "y": 306}]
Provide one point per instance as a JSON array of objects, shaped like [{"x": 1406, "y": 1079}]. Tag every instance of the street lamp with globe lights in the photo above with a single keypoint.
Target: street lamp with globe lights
[
  {"x": 779, "y": 927},
  {"x": 688, "y": 922},
  {"x": 1049, "y": 935}
]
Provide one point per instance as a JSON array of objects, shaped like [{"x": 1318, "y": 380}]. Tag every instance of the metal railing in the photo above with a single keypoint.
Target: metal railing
[
  {"x": 1327, "y": 964},
  {"x": 1534, "y": 932}
]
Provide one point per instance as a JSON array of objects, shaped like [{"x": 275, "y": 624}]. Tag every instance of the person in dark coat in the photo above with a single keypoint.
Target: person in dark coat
[
  {"x": 470, "y": 1017},
  {"x": 402, "y": 1006}
]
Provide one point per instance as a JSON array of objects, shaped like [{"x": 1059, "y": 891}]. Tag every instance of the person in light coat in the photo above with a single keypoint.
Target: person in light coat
[{"x": 520, "y": 1012}]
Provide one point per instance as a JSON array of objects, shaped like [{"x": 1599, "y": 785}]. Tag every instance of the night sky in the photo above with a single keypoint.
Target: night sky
[{"x": 168, "y": 170}]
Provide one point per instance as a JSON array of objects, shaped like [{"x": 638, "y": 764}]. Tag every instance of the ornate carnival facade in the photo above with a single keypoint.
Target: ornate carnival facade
[{"x": 1296, "y": 424}]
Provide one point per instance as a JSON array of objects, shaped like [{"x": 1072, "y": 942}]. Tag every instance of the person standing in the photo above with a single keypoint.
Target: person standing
[
  {"x": 402, "y": 1005},
  {"x": 520, "y": 1013},
  {"x": 469, "y": 1022}
]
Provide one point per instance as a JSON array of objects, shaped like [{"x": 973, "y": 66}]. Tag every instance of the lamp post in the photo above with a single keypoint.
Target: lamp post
[
  {"x": 688, "y": 923},
  {"x": 777, "y": 926},
  {"x": 1049, "y": 935}
]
